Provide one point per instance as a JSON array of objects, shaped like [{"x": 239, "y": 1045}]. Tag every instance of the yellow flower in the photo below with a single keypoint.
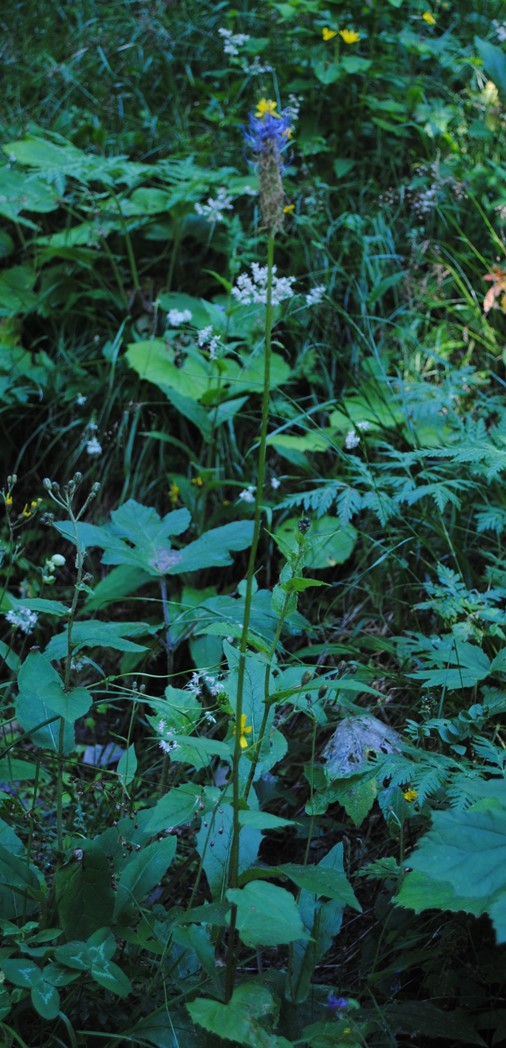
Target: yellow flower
[
  {"x": 288, "y": 209},
  {"x": 410, "y": 795},
  {"x": 243, "y": 732},
  {"x": 429, "y": 18},
  {"x": 198, "y": 481},
  {"x": 8, "y": 499},
  {"x": 266, "y": 105},
  {"x": 30, "y": 508},
  {"x": 349, "y": 36},
  {"x": 174, "y": 493},
  {"x": 328, "y": 34}
]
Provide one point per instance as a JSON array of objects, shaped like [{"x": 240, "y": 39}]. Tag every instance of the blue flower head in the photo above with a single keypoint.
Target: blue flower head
[
  {"x": 334, "y": 1003},
  {"x": 268, "y": 130},
  {"x": 268, "y": 135}
]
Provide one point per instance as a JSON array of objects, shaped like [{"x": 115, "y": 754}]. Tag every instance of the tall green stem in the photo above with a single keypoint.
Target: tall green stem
[{"x": 243, "y": 646}]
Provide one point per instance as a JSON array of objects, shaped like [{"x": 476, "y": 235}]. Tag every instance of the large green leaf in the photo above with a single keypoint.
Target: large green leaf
[
  {"x": 266, "y": 915},
  {"x": 16, "y": 294},
  {"x": 212, "y": 549},
  {"x": 152, "y": 363},
  {"x": 322, "y": 920},
  {"x": 328, "y": 543},
  {"x": 327, "y": 880},
  {"x": 494, "y": 62},
  {"x": 24, "y": 192},
  {"x": 242, "y": 1020},
  {"x": 460, "y": 864},
  {"x": 177, "y": 806},
  {"x": 39, "y": 687},
  {"x": 138, "y": 537},
  {"x": 213, "y": 843},
  {"x": 19, "y": 883},
  {"x": 143, "y": 872},
  {"x": 98, "y": 634},
  {"x": 457, "y": 664},
  {"x": 84, "y": 894}
]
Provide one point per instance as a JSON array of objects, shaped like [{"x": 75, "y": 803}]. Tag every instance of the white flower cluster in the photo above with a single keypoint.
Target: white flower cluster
[
  {"x": 168, "y": 744},
  {"x": 293, "y": 107},
  {"x": 176, "y": 317},
  {"x": 248, "y": 495},
  {"x": 500, "y": 29},
  {"x": 200, "y": 678},
  {"x": 232, "y": 41},
  {"x": 214, "y": 207},
  {"x": 254, "y": 288},
  {"x": 207, "y": 340},
  {"x": 256, "y": 67},
  {"x": 22, "y": 619},
  {"x": 93, "y": 446},
  {"x": 352, "y": 439},
  {"x": 314, "y": 297}
]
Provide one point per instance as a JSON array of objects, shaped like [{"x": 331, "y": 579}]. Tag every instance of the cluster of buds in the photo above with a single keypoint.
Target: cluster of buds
[
  {"x": 64, "y": 495},
  {"x": 50, "y": 566}
]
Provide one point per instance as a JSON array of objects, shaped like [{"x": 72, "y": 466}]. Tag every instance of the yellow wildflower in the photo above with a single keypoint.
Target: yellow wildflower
[
  {"x": 174, "y": 493},
  {"x": 30, "y": 508},
  {"x": 8, "y": 499},
  {"x": 198, "y": 481},
  {"x": 266, "y": 105},
  {"x": 349, "y": 36},
  {"x": 429, "y": 18},
  {"x": 328, "y": 34},
  {"x": 288, "y": 209},
  {"x": 410, "y": 795},
  {"x": 243, "y": 732}
]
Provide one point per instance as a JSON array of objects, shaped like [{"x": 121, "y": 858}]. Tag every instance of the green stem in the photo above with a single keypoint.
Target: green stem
[
  {"x": 267, "y": 682},
  {"x": 234, "y": 849}
]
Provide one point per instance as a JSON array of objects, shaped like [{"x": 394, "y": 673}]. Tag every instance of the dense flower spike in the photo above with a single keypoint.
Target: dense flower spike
[{"x": 268, "y": 134}]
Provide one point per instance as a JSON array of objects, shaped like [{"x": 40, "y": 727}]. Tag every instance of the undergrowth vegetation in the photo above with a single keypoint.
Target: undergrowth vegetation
[{"x": 252, "y": 587}]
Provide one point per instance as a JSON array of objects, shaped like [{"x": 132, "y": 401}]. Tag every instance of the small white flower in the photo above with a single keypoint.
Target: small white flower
[
  {"x": 80, "y": 400},
  {"x": 214, "y": 207},
  {"x": 161, "y": 726},
  {"x": 93, "y": 446},
  {"x": 22, "y": 619},
  {"x": 363, "y": 425},
  {"x": 57, "y": 560},
  {"x": 175, "y": 317},
  {"x": 194, "y": 683},
  {"x": 169, "y": 747},
  {"x": 248, "y": 495},
  {"x": 208, "y": 716},
  {"x": 352, "y": 439},
  {"x": 275, "y": 483},
  {"x": 314, "y": 297}
]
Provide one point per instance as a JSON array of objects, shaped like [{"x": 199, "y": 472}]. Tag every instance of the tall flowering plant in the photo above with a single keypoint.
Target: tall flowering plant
[{"x": 268, "y": 134}]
